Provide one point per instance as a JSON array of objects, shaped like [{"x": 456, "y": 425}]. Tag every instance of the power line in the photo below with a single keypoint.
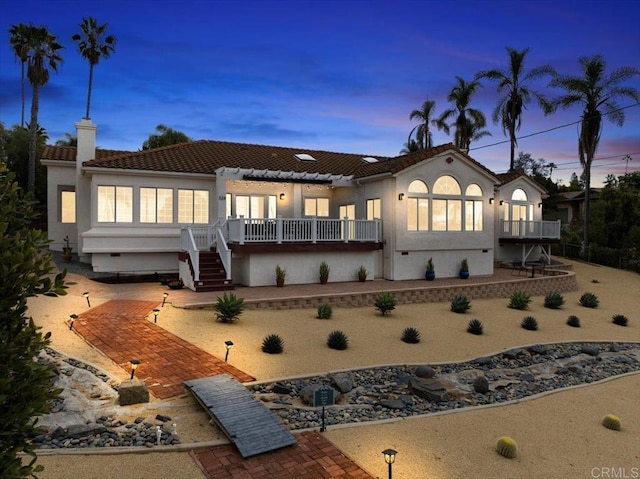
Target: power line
[{"x": 548, "y": 130}]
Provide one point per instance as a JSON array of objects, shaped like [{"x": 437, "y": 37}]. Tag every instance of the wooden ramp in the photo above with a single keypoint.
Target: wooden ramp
[{"x": 250, "y": 425}]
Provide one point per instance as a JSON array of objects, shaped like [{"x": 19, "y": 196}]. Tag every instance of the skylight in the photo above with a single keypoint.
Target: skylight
[
  {"x": 304, "y": 157},
  {"x": 370, "y": 159}
]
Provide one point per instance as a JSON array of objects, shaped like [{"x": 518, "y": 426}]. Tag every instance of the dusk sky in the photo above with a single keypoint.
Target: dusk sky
[{"x": 323, "y": 74}]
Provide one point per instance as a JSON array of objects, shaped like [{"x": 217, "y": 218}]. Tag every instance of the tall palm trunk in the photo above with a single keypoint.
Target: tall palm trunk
[
  {"x": 33, "y": 134},
  {"x": 23, "y": 95},
  {"x": 89, "y": 92}
]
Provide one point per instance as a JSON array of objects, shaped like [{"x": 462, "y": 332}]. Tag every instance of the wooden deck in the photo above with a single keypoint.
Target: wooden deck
[{"x": 249, "y": 424}]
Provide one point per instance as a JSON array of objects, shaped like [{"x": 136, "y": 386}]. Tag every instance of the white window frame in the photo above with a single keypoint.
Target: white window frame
[
  {"x": 152, "y": 208},
  {"x": 191, "y": 208},
  {"x": 314, "y": 206},
  {"x": 374, "y": 208},
  {"x": 67, "y": 204},
  {"x": 120, "y": 207}
]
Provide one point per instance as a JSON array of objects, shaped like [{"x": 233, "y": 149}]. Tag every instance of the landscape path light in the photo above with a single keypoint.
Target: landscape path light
[
  {"x": 228, "y": 345},
  {"x": 134, "y": 365},
  {"x": 155, "y": 315},
  {"x": 390, "y": 458},
  {"x": 72, "y": 318},
  {"x": 164, "y": 298},
  {"x": 85, "y": 295}
]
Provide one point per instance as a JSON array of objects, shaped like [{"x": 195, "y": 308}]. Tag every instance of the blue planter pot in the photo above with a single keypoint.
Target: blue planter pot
[
  {"x": 464, "y": 274},
  {"x": 430, "y": 275}
]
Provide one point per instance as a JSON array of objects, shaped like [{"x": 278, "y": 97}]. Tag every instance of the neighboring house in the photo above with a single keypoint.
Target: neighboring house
[
  {"x": 221, "y": 213},
  {"x": 570, "y": 205}
]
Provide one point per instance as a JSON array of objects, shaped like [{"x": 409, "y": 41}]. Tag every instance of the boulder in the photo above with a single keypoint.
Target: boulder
[
  {"x": 425, "y": 371},
  {"x": 280, "y": 388},
  {"x": 342, "y": 382},
  {"x": 132, "y": 391},
  {"x": 392, "y": 403},
  {"x": 79, "y": 430},
  {"x": 429, "y": 389},
  {"x": 481, "y": 385}
]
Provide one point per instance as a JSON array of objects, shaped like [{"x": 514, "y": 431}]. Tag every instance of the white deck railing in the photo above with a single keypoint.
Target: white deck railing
[
  {"x": 530, "y": 229},
  {"x": 189, "y": 239},
  {"x": 302, "y": 230}
]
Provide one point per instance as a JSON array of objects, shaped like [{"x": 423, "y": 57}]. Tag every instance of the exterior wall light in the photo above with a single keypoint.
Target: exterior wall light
[
  {"x": 400, "y": 196},
  {"x": 539, "y": 205},
  {"x": 501, "y": 202},
  {"x": 134, "y": 365},
  {"x": 490, "y": 201},
  {"x": 282, "y": 195},
  {"x": 228, "y": 345}
]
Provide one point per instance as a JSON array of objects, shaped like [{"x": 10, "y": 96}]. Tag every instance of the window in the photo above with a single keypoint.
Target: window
[
  {"x": 473, "y": 209},
  {"x": 156, "y": 205},
  {"x": 67, "y": 204},
  {"x": 254, "y": 206},
  {"x": 115, "y": 204},
  {"x": 193, "y": 206},
  {"x": 316, "y": 207},
  {"x": 446, "y": 213},
  {"x": 418, "y": 206},
  {"x": 373, "y": 208},
  {"x": 348, "y": 211},
  {"x": 519, "y": 195}
]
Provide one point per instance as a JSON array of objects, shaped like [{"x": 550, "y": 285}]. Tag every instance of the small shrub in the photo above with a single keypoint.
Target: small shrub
[
  {"x": 530, "y": 323},
  {"x": 619, "y": 319},
  {"x": 272, "y": 344},
  {"x": 612, "y": 422},
  {"x": 281, "y": 275},
  {"x": 337, "y": 340},
  {"x": 519, "y": 300},
  {"x": 324, "y": 311},
  {"x": 324, "y": 272},
  {"x": 460, "y": 304},
  {"x": 362, "y": 273},
  {"x": 506, "y": 447},
  {"x": 228, "y": 308},
  {"x": 475, "y": 327},
  {"x": 595, "y": 281},
  {"x": 589, "y": 300},
  {"x": 386, "y": 302},
  {"x": 411, "y": 335},
  {"x": 553, "y": 300},
  {"x": 573, "y": 321}
]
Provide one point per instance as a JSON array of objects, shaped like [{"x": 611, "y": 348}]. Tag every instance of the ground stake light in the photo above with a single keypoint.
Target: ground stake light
[
  {"x": 134, "y": 365},
  {"x": 228, "y": 345},
  {"x": 390, "y": 458},
  {"x": 164, "y": 298},
  {"x": 85, "y": 295},
  {"x": 155, "y": 315},
  {"x": 72, "y": 318}
]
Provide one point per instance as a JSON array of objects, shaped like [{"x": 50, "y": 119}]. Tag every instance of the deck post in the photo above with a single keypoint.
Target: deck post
[
  {"x": 279, "y": 229},
  {"x": 241, "y": 232}
]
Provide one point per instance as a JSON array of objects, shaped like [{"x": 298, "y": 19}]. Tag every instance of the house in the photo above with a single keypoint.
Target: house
[
  {"x": 570, "y": 205},
  {"x": 222, "y": 213}
]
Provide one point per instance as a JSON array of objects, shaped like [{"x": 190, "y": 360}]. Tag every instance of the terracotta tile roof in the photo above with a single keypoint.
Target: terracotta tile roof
[
  {"x": 68, "y": 153},
  {"x": 206, "y": 156}
]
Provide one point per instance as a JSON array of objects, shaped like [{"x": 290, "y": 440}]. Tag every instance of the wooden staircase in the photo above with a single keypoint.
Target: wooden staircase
[{"x": 212, "y": 274}]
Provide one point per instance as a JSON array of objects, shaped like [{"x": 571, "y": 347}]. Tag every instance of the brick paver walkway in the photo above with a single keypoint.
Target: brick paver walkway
[
  {"x": 312, "y": 457},
  {"x": 121, "y": 330}
]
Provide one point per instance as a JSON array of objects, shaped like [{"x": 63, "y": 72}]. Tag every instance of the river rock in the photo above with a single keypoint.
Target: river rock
[
  {"x": 342, "y": 382},
  {"x": 429, "y": 389},
  {"x": 481, "y": 385},
  {"x": 132, "y": 391},
  {"x": 425, "y": 371}
]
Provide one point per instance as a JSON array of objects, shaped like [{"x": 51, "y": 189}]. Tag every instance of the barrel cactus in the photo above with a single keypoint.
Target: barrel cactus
[
  {"x": 506, "y": 447},
  {"x": 611, "y": 422},
  {"x": 272, "y": 344}
]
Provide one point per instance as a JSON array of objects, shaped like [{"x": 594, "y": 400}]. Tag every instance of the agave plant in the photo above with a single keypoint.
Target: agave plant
[
  {"x": 324, "y": 311},
  {"x": 385, "y": 302},
  {"x": 519, "y": 300},
  {"x": 619, "y": 319},
  {"x": 589, "y": 300},
  {"x": 272, "y": 344},
  {"x": 475, "y": 327},
  {"x": 573, "y": 321},
  {"x": 460, "y": 304},
  {"x": 228, "y": 308},
  {"x": 553, "y": 300},
  {"x": 530, "y": 323},
  {"x": 411, "y": 335},
  {"x": 337, "y": 340}
]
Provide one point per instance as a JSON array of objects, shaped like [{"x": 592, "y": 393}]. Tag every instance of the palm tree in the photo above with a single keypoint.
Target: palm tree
[
  {"x": 18, "y": 38},
  {"x": 513, "y": 83},
  {"x": 423, "y": 135},
  {"x": 410, "y": 146},
  {"x": 68, "y": 140},
  {"x": 164, "y": 136},
  {"x": 596, "y": 93},
  {"x": 43, "y": 54},
  {"x": 468, "y": 122},
  {"x": 93, "y": 45}
]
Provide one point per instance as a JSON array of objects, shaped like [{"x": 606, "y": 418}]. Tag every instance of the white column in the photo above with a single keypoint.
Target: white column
[{"x": 86, "y": 150}]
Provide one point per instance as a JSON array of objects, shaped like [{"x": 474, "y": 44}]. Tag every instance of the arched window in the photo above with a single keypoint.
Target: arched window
[
  {"x": 473, "y": 208},
  {"x": 417, "y": 206},
  {"x": 519, "y": 195},
  {"x": 446, "y": 212}
]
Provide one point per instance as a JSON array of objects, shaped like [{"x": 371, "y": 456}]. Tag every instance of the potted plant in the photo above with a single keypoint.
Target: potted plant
[
  {"x": 281, "y": 274},
  {"x": 175, "y": 284},
  {"x": 66, "y": 250},
  {"x": 362, "y": 274},
  {"x": 324, "y": 272},
  {"x": 430, "y": 273},
  {"x": 464, "y": 268}
]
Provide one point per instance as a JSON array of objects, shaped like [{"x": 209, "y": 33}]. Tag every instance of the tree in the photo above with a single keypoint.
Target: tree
[
  {"x": 43, "y": 54},
  {"x": 165, "y": 136},
  {"x": 410, "y": 147},
  {"x": 512, "y": 84},
  {"x": 93, "y": 45},
  {"x": 468, "y": 122},
  {"x": 25, "y": 384},
  {"x": 19, "y": 41},
  {"x": 596, "y": 93},
  {"x": 68, "y": 140},
  {"x": 423, "y": 135}
]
